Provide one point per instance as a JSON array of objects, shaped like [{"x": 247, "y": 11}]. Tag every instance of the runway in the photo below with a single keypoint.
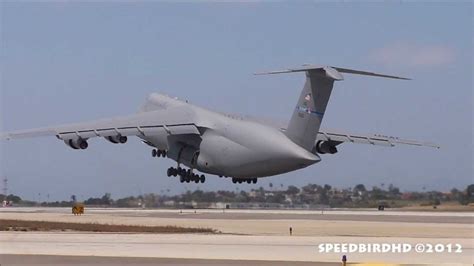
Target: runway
[
  {"x": 120, "y": 261},
  {"x": 247, "y": 236}
]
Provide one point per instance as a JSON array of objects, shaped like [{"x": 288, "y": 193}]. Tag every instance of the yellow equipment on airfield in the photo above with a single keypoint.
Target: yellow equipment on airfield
[{"x": 78, "y": 209}]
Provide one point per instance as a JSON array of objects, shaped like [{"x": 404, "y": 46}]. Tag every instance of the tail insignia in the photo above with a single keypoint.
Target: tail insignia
[{"x": 307, "y": 110}]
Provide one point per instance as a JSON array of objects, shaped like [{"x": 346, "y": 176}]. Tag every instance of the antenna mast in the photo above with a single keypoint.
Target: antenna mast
[{"x": 5, "y": 186}]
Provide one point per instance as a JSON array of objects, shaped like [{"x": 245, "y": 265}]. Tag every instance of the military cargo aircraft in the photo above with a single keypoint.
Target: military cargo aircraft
[{"x": 228, "y": 146}]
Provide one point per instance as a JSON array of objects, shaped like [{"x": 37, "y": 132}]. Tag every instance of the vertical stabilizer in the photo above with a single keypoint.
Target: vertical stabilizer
[{"x": 309, "y": 112}]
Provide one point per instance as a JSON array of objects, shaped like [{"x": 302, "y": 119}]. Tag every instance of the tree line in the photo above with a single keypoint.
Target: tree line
[{"x": 310, "y": 194}]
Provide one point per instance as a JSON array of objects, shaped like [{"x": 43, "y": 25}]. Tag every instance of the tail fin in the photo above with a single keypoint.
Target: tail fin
[{"x": 308, "y": 115}]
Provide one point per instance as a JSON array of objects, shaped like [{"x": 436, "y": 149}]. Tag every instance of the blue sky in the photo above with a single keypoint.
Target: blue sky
[{"x": 71, "y": 62}]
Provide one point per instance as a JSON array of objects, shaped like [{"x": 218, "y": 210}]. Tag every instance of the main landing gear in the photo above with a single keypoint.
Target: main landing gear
[
  {"x": 248, "y": 180},
  {"x": 158, "y": 153},
  {"x": 185, "y": 175},
  {"x": 242, "y": 180}
]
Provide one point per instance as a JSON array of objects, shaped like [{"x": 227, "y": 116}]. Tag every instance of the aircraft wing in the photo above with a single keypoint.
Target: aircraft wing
[
  {"x": 381, "y": 140},
  {"x": 141, "y": 124}
]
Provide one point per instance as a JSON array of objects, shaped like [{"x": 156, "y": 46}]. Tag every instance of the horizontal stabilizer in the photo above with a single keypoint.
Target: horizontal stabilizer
[{"x": 332, "y": 72}]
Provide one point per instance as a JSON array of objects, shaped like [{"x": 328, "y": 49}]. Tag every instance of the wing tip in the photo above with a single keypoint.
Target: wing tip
[{"x": 402, "y": 78}]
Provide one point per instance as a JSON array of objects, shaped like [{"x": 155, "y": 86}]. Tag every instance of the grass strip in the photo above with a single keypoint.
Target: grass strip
[{"x": 27, "y": 226}]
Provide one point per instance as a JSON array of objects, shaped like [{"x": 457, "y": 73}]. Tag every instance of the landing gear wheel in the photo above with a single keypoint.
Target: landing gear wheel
[
  {"x": 153, "y": 153},
  {"x": 181, "y": 179},
  {"x": 249, "y": 181},
  {"x": 169, "y": 172},
  {"x": 202, "y": 179},
  {"x": 163, "y": 154},
  {"x": 234, "y": 180},
  {"x": 254, "y": 180}
]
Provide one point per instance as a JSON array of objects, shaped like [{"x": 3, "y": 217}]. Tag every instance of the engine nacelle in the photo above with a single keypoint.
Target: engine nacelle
[
  {"x": 77, "y": 144},
  {"x": 117, "y": 139},
  {"x": 323, "y": 147}
]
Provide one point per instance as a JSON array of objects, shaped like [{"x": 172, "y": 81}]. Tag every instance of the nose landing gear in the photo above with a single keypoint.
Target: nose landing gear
[{"x": 185, "y": 175}]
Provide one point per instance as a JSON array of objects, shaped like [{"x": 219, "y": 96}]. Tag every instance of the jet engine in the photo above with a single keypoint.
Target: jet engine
[
  {"x": 323, "y": 147},
  {"x": 117, "y": 139},
  {"x": 76, "y": 144}
]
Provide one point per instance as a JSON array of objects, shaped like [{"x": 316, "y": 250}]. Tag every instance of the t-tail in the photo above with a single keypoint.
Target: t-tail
[{"x": 309, "y": 112}]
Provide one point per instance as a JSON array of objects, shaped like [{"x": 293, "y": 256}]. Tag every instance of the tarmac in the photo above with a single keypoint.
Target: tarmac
[
  {"x": 120, "y": 261},
  {"x": 248, "y": 237}
]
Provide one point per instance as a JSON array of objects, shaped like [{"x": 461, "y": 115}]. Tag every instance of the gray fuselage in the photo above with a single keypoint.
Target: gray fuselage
[{"x": 227, "y": 146}]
